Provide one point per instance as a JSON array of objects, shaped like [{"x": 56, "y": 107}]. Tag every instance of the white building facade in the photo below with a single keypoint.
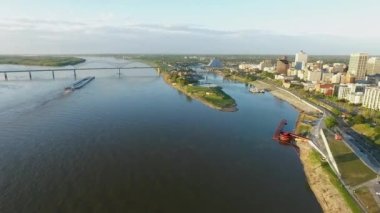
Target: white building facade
[
  {"x": 358, "y": 65},
  {"x": 373, "y": 66},
  {"x": 371, "y": 98}
]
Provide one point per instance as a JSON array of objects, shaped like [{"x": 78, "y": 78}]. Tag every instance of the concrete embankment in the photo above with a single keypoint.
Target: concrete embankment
[{"x": 286, "y": 96}]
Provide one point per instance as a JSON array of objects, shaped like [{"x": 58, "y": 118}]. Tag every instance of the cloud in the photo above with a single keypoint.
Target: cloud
[{"x": 110, "y": 35}]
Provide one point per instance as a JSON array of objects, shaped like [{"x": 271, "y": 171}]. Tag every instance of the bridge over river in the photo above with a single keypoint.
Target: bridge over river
[{"x": 74, "y": 70}]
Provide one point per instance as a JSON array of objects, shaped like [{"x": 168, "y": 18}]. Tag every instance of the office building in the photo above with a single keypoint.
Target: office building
[
  {"x": 373, "y": 66},
  {"x": 282, "y": 65},
  {"x": 357, "y": 65},
  {"x": 371, "y": 98},
  {"x": 301, "y": 60}
]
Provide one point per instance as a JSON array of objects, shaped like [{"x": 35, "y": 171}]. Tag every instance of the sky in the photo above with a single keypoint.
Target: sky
[{"x": 189, "y": 26}]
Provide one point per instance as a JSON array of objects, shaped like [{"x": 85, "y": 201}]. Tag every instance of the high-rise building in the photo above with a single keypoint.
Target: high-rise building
[
  {"x": 373, "y": 66},
  {"x": 282, "y": 65},
  {"x": 301, "y": 60},
  {"x": 372, "y": 98},
  {"x": 358, "y": 64}
]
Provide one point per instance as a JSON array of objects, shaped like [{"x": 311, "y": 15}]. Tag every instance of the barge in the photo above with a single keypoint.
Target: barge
[{"x": 79, "y": 84}]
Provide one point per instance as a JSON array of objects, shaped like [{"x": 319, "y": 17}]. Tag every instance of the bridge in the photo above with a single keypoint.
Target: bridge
[{"x": 74, "y": 70}]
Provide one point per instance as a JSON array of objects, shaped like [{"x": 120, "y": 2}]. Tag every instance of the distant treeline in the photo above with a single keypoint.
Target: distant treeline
[
  {"x": 54, "y": 61},
  {"x": 328, "y": 59}
]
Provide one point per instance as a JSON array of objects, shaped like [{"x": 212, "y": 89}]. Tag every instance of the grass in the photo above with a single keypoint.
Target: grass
[
  {"x": 353, "y": 170},
  {"x": 368, "y": 131},
  {"x": 303, "y": 127},
  {"x": 315, "y": 158},
  {"x": 367, "y": 199},
  {"x": 215, "y": 96},
  {"x": 41, "y": 60}
]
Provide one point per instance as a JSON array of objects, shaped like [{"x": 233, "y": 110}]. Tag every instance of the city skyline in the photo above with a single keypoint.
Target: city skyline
[{"x": 241, "y": 27}]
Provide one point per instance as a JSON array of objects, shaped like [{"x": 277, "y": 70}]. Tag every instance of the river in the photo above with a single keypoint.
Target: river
[{"x": 134, "y": 144}]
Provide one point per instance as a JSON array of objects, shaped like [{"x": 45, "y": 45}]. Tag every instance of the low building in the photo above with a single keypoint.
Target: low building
[
  {"x": 283, "y": 77},
  {"x": 292, "y": 72},
  {"x": 356, "y": 98},
  {"x": 371, "y": 98},
  {"x": 301, "y": 74},
  {"x": 248, "y": 66},
  {"x": 308, "y": 86},
  {"x": 343, "y": 92},
  {"x": 266, "y": 64},
  {"x": 314, "y": 76},
  {"x": 373, "y": 79},
  {"x": 326, "y": 89},
  {"x": 327, "y": 77},
  {"x": 336, "y": 78},
  {"x": 338, "y": 67}
]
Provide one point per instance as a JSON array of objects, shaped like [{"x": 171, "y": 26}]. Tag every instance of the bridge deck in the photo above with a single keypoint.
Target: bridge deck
[{"x": 77, "y": 69}]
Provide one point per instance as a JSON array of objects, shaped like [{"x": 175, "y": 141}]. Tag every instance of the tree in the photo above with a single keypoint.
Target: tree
[
  {"x": 358, "y": 119},
  {"x": 330, "y": 122}
]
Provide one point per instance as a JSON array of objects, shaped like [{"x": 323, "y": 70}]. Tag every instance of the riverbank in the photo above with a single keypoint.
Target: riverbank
[
  {"x": 327, "y": 188},
  {"x": 214, "y": 98},
  {"x": 51, "y": 61},
  {"x": 296, "y": 102}
]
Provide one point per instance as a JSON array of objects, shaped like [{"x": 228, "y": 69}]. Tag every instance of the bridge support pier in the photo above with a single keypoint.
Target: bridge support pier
[
  {"x": 30, "y": 75},
  {"x": 75, "y": 74},
  {"x": 119, "y": 73},
  {"x": 5, "y": 76},
  {"x": 52, "y": 73}
]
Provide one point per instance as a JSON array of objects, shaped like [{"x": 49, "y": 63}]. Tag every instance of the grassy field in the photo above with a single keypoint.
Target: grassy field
[
  {"x": 53, "y": 61},
  {"x": 215, "y": 96},
  {"x": 304, "y": 125},
  {"x": 315, "y": 158},
  {"x": 367, "y": 130},
  {"x": 353, "y": 170},
  {"x": 366, "y": 197}
]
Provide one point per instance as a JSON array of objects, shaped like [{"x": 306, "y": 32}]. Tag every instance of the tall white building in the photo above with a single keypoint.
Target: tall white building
[
  {"x": 373, "y": 66},
  {"x": 358, "y": 64},
  {"x": 371, "y": 98},
  {"x": 301, "y": 60}
]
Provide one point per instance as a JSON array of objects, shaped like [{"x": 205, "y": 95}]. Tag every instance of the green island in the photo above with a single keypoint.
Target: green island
[
  {"x": 187, "y": 81},
  {"x": 214, "y": 97},
  {"x": 53, "y": 61}
]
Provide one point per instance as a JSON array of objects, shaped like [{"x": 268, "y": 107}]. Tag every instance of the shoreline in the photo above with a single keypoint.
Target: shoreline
[{"x": 318, "y": 179}]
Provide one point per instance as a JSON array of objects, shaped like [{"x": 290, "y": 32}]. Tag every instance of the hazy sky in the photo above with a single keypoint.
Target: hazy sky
[{"x": 189, "y": 26}]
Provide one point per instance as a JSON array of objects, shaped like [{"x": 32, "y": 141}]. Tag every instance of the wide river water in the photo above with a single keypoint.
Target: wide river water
[{"x": 134, "y": 144}]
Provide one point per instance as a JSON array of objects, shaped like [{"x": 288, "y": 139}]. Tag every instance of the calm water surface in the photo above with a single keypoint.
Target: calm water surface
[{"x": 134, "y": 144}]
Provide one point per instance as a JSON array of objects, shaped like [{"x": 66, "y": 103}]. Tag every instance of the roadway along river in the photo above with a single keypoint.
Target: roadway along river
[{"x": 135, "y": 144}]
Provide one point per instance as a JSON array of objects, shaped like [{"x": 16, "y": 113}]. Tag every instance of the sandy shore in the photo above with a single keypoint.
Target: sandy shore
[
  {"x": 297, "y": 103},
  {"x": 326, "y": 193}
]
